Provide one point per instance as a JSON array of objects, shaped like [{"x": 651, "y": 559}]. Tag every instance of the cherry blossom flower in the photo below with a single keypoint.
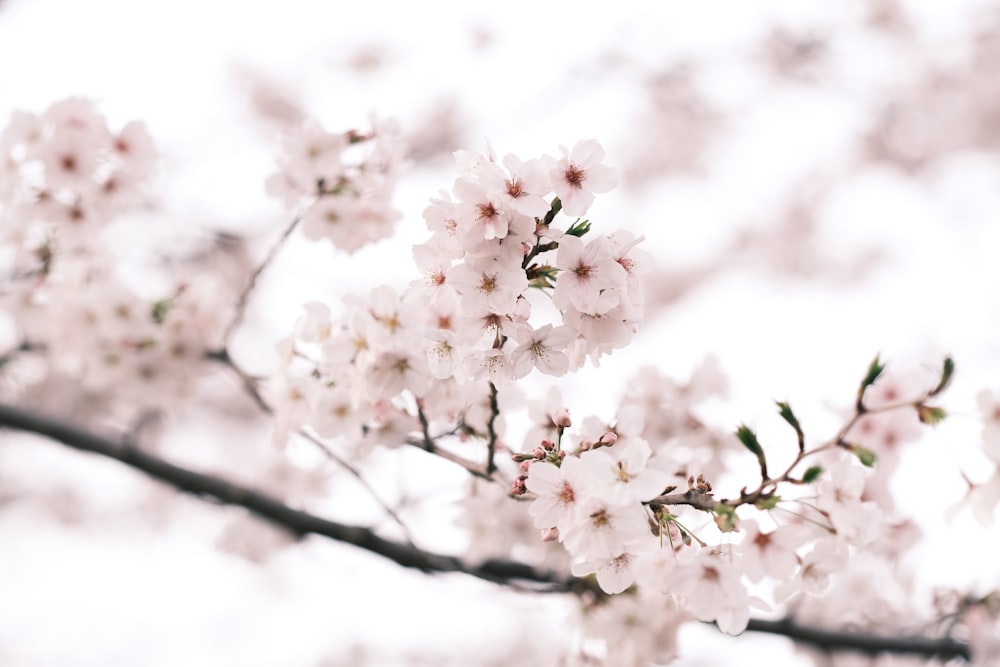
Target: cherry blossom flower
[
  {"x": 444, "y": 355},
  {"x": 614, "y": 575},
  {"x": 489, "y": 283},
  {"x": 839, "y": 497},
  {"x": 828, "y": 556},
  {"x": 433, "y": 262},
  {"x": 590, "y": 279},
  {"x": 603, "y": 528},
  {"x": 349, "y": 222},
  {"x": 559, "y": 489},
  {"x": 523, "y": 189},
  {"x": 773, "y": 553},
  {"x": 544, "y": 349},
  {"x": 579, "y": 174},
  {"x": 441, "y": 218},
  {"x": 712, "y": 591},
  {"x": 313, "y": 158},
  {"x": 481, "y": 213}
]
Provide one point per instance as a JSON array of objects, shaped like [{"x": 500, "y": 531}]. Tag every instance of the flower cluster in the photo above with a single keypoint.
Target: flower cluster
[
  {"x": 512, "y": 280},
  {"x": 627, "y": 505},
  {"x": 67, "y": 169},
  {"x": 342, "y": 182},
  {"x": 64, "y": 177},
  {"x": 478, "y": 319}
]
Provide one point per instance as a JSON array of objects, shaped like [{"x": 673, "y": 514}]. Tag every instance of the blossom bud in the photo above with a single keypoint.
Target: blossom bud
[
  {"x": 524, "y": 466},
  {"x": 548, "y": 444},
  {"x": 539, "y": 453},
  {"x": 562, "y": 454},
  {"x": 609, "y": 438},
  {"x": 561, "y": 418},
  {"x": 550, "y": 534}
]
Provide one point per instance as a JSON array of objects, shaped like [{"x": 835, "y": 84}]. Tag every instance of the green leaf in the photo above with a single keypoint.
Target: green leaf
[
  {"x": 579, "y": 228},
  {"x": 946, "y": 372},
  {"x": 160, "y": 309},
  {"x": 767, "y": 502},
  {"x": 811, "y": 474},
  {"x": 554, "y": 209},
  {"x": 541, "y": 276},
  {"x": 930, "y": 415},
  {"x": 786, "y": 413},
  {"x": 865, "y": 455},
  {"x": 874, "y": 371},
  {"x": 749, "y": 440},
  {"x": 725, "y": 518}
]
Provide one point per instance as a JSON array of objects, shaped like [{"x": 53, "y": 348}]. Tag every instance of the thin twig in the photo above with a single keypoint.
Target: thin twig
[
  {"x": 250, "y": 386},
  {"x": 244, "y": 298},
  {"x": 429, "y": 445},
  {"x": 701, "y": 501},
  {"x": 354, "y": 472}
]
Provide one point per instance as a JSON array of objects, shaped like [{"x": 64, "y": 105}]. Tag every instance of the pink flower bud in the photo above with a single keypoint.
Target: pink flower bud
[
  {"x": 519, "y": 488},
  {"x": 609, "y": 438},
  {"x": 539, "y": 453},
  {"x": 561, "y": 418},
  {"x": 525, "y": 465},
  {"x": 550, "y": 534},
  {"x": 548, "y": 444}
]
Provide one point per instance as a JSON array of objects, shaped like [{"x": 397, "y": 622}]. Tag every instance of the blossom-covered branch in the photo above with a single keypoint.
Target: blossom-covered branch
[
  {"x": 512, "y": 283},
  {"x": 499, "y": 571}
]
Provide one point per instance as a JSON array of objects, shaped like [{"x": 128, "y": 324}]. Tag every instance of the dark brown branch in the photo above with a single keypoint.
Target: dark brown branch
[
  {"x": 491, "y": 431},
  {"x": 701, "y": 501},
  {"x": 499, "y": 571},
  {"x": 296, "y": 521},
  {"x": 833, "y": 640}
]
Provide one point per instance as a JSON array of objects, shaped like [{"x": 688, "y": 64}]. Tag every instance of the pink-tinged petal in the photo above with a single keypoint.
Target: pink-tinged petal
[
  {"x": 587, "y": 153},
  {"x": 601, "y": 178}
]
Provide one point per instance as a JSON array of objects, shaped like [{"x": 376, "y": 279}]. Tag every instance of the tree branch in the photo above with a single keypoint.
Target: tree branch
[
  {"x": 250, "y": 386},
  {"x": 296, "y": 521},
  {"x": 491, "y": 431},
  {"x": 499, "y": 571},
  {"x": 834, "y": 640},
  {"x": 698, "y": 500}
]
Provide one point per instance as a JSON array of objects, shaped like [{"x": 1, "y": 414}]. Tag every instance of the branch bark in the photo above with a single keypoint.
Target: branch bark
[
  {"x": 263, "y": 505},
  {"x": 870, "y": 644},
  {"x": 498, "y": 571}
]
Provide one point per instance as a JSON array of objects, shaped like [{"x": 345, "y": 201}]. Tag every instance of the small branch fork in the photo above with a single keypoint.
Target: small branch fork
[
  {"x": 504, "y": 572},
  {"x": 250, "y": 386}
]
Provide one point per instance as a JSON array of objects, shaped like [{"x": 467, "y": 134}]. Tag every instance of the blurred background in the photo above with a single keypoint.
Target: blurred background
[{"x": 817, "y": 181}]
